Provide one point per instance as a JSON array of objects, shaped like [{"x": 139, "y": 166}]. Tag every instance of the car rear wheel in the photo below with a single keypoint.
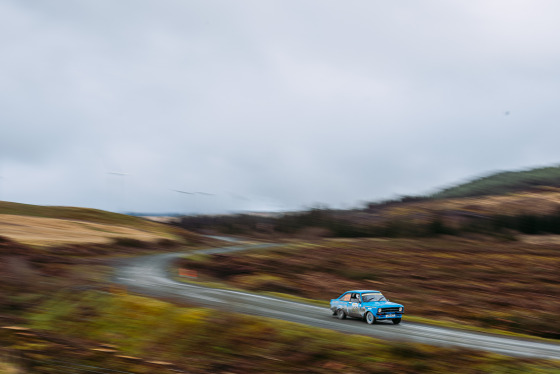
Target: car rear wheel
[
  {"x": 396, "y": 321},
  {"x": 340, "y": 314},
  {"x": 370, "y": 318}
]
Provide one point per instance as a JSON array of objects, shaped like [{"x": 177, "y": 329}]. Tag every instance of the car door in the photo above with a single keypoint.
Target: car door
[
  {"x": 344, "y": 302},
  {"x": 354, "y": 305}
]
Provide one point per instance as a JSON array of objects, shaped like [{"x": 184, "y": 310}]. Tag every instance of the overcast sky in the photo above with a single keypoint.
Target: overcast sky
[{"x": 270, "y": 105}]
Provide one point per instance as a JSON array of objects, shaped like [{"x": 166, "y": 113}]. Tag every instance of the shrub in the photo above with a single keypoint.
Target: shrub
[{"x": 129, "y": 242}]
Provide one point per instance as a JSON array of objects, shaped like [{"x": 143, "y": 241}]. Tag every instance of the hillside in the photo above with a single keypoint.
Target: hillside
[
  {"x": 77, "y": 214},
  {"x": 60, "y": 311},
  {"x": 527, "y": 212},
  {"x": 541, "y": 202},
  {"x": 47, "y": 226},
  {"x": 504, "y": 182}
]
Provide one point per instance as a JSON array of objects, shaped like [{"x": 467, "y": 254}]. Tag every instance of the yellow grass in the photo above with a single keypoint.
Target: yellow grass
[
  {"x": 39, "y": 231},
  {"x": 539, "y": 239},
  {"x": 516, "y": 203},
  {"x": 542, "y": 202}
]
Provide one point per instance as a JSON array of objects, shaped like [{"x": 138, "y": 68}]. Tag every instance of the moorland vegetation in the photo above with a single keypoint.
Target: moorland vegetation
[
  {"x": 460, "y": 257},
  {"x": 141, "y": 335}
]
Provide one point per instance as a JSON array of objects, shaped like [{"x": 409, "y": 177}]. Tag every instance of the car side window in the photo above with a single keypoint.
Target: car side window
[
  {"x": 355, "y": 298},
  {"x": 345, "y": 297}
]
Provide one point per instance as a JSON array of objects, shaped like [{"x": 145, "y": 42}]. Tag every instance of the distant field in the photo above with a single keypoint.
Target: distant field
[
  {"x": 78, "y": 214},
  {"x": 48, "y": 226},
  {"x": 38, "y": 231}
]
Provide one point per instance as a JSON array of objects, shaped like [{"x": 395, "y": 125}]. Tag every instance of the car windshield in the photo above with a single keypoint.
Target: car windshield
[{"x": 373, "y": 297}]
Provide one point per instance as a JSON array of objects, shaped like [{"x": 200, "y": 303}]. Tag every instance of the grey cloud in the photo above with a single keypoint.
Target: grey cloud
[{"x": 284, "y": 103}]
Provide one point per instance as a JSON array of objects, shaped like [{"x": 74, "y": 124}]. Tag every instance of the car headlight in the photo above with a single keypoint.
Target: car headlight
[
  {"x": 400, "y": 309},
  {"x": 379, "y": 311}
]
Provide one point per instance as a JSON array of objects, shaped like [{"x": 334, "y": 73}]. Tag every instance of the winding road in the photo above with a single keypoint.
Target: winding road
[{"x": 149, "y": 275}]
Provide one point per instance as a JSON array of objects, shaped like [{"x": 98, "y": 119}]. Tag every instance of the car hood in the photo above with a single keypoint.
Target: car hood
[{"x": 382, "y": 304}]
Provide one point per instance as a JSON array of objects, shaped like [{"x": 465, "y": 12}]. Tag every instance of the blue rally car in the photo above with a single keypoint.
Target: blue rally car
[{"x": 368, "y": 305}]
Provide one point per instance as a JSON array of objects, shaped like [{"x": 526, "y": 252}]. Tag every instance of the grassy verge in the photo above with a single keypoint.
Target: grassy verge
[
  {"x": 200, "y": 341},
  {"x": 30, "y": 275},
  {"x": 278, "y": 295},
  {"x": 8, "y": 368}
]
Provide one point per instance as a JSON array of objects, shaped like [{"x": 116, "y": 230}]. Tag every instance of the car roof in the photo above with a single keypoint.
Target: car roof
[{"x": 362, "y": 291}]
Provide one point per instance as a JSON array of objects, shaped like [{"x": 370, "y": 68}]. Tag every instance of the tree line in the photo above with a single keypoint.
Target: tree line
[{"x": 348, "y": 227}]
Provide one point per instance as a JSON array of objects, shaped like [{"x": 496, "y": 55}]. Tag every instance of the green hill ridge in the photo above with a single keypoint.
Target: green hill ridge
[{"x": 504, "y": 182}]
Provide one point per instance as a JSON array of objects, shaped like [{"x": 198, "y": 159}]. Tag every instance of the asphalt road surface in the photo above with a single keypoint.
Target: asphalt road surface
[{"x": 149, "y": 275}]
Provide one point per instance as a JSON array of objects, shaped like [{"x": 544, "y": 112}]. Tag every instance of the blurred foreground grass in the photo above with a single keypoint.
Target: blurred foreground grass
[{"x": 202, "y": 340}]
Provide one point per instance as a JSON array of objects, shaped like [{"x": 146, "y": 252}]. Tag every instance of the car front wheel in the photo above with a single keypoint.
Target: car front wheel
[
  {"x": 340, "y": 314},
  {"x": 396, "y": 321},
  {"x": 370, "y": 318}
]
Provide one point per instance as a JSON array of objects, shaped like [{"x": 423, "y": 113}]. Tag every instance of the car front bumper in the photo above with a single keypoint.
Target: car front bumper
[{"x": 388, "y": 315}]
